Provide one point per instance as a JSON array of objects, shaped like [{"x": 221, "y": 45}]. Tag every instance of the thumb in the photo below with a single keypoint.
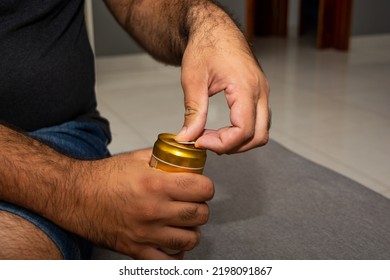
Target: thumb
[{"x": 196, "y": 105}]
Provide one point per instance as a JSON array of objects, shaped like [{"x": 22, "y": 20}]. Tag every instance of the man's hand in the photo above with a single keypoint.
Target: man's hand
[
  {"x": 118, "y": 202},
  {"x": 135, "y": 209},
  {"x": 217, "y": 58}
]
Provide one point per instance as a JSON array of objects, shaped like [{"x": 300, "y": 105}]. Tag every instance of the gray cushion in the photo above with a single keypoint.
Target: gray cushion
[{"x": 273, "y": 204}]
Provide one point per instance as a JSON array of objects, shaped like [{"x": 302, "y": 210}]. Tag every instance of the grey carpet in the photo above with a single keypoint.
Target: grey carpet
[{"x": 273, "y": 204}]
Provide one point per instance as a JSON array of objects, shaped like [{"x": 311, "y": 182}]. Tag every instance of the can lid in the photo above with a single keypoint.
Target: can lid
[{"x": 186, "y": 155}]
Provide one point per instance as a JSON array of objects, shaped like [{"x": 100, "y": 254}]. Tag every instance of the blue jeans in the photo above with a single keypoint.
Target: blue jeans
[{"x": 81, "y": 140}]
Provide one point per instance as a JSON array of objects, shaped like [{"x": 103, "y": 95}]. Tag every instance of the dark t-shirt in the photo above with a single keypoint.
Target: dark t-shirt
[{"x": 47, "y": 72}]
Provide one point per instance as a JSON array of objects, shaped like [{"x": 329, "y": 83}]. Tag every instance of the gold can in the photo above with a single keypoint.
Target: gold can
[{"x": 171, "y": 156}]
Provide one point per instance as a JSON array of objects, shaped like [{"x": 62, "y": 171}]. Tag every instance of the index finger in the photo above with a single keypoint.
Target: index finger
[{"x": 189, "y": 187}]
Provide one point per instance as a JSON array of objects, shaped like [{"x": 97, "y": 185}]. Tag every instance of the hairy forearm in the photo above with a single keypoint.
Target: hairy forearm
[
  {"x": 164, "y": 27},
  {"x": 34, "y": 176}
]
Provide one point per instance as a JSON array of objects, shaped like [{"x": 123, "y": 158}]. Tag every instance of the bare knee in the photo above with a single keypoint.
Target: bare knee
[{"x": 20, "y": 239}]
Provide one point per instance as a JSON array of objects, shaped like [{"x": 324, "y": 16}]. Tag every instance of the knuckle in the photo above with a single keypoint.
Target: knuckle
[
  {"x": 269, "y": 119},
  {"x": 248, "y": 134},
  {"x": 203, "y": 184},
  {"x": 149, "y": 213},
  {"x": 139, "y": 234},
  {"x": 267, "y": 87},
  {"x": 175, "y": 244},
  {"x": 190, "y": 110},
  {"x": 189, "y": 213},
  {"x": 192, "y": 242},
  {"x": 187, "y": 79},
  {"x": 263, "y": 139},
  {"x": 148, "y": 183},
  {"x": 208, "y": 190},
  {"x": 185, "y": 245},
  {"x": 194, "y": 110},
  {"x": 184, "y": 182},
  {"x": 204, "y": 215},
  {"x": 263, "y": 84},
  {"x": 199, "y": 214}
]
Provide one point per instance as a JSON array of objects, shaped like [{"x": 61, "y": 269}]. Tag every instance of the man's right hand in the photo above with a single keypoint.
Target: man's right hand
[{"x": 135, "y": 209}]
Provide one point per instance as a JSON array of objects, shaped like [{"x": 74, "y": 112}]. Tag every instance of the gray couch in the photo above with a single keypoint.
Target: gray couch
[{"x": 273, "y": 204}]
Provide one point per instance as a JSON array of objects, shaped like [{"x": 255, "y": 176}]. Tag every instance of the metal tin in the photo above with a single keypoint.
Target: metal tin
[{"x": 171, "y": 156}]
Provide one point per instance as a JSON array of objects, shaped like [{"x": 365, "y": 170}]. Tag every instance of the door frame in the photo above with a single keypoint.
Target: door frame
[{"x": 334, "y": 23}]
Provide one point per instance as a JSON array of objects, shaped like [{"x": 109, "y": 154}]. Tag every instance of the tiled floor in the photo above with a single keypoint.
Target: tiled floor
[{"x": 328, "y": 106}]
